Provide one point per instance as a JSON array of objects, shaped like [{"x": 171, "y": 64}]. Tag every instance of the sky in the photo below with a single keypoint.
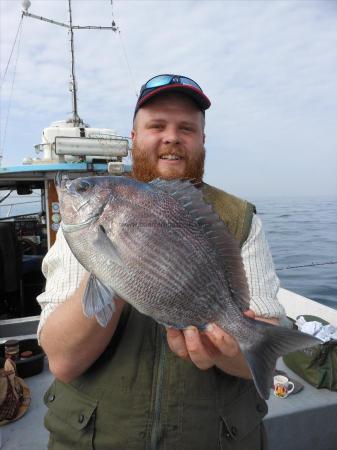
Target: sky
[{"x": 269, "y": 68}]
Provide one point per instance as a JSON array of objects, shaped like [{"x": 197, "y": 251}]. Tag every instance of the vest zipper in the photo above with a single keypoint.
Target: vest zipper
[{"x": 155, "y": 431}]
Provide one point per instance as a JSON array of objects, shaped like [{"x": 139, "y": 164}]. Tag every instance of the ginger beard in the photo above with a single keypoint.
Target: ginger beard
[{"x": 144, "y": 167}]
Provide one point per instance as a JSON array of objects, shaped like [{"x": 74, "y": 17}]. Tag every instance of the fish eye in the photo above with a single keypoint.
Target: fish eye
[{"x": 82, "y": 186}]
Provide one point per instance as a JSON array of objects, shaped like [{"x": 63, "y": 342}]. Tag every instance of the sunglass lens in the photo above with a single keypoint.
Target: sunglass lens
[
  {"x": 161, "y": 80},
  {"x": 184, "y": 80}
]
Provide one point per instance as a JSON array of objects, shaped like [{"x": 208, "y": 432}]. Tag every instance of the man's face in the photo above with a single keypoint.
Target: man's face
[{"x": 168, "y": 139}]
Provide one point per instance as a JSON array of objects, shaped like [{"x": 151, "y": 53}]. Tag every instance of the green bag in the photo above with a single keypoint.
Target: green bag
[{"x": 317, "y": 365}]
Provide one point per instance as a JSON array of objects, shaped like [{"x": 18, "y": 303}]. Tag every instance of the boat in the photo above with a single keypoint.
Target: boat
[
  {"x": 68, "y": 147},
  {"x": 305, "y": 421}
]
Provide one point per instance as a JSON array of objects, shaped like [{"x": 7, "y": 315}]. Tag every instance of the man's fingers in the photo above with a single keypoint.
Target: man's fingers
[
  {"x": 196, "y": 349},
  {"x": 176, "y": 342},
  {"x": 249, "y": 313},
  {"x": 188, "y": 345},
  {"x": 202, "y": 349},
  {"x": 225, "y": 343}
]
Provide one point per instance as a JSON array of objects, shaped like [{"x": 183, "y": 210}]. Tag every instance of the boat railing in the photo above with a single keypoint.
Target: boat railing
[{"x": 11, "y": 206}]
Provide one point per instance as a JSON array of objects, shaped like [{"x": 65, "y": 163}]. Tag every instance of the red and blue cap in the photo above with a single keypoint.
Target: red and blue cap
[{"x": 172, "y": 83}]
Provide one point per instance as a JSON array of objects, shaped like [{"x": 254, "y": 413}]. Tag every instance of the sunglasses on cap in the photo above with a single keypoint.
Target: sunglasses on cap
[
  {"x": 164, "y": 80},
  {"x": 170, "y": 82}
]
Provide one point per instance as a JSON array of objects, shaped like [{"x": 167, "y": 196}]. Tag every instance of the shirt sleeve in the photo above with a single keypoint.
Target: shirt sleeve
[
  {"x": 262, "y": 279},
  {"x": 63, "y": 274}
]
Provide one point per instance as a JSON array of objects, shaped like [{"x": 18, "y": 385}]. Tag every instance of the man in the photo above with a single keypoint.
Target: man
[{"x": 120, "y": 387}]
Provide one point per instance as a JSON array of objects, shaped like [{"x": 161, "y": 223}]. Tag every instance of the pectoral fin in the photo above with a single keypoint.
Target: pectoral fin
[
  {"x": 105, "y": 246},
  {"x": 98, "y": 301}
]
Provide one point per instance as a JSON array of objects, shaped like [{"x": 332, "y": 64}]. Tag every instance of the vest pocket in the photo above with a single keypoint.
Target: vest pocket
[
  {"x": 241, "y": 426},
  {"x": 70, "y": 418}
]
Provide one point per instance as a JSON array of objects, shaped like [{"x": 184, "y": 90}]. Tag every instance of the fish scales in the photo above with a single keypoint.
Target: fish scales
[
  {"x": 165, "y": 263},
  {"x": 147, "y": 237},
  {"x": 161, "y": 276},
  {"x": 161, "y": 248},
  {"x": 163, "y": 260}
]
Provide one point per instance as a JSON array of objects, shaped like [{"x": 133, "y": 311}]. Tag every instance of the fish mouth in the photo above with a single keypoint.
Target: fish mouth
[{"x": 71, "y": 227}]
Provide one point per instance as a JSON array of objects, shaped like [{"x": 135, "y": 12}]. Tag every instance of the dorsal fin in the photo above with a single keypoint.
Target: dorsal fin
[{"x": 225, "y": 245}]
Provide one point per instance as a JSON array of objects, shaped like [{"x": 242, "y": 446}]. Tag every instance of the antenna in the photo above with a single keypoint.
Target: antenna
[
  {"x": 73, "y": 88},
  {"x": 75, "y": 119}
]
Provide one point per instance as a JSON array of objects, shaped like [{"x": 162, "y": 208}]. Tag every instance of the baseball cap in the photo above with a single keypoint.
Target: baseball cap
[{"x": 172, "y": 83}]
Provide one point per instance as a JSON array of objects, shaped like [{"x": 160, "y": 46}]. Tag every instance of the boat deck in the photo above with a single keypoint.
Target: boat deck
[
  {"x": 28, "y": 432},
  {"x": 304, "y": 421}
]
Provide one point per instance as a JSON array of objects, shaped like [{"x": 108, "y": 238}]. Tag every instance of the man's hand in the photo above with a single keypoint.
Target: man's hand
[{"x": 213, "y": 347}]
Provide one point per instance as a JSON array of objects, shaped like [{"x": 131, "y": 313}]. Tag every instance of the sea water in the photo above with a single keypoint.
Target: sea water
[{"x": 303, "y": 232}]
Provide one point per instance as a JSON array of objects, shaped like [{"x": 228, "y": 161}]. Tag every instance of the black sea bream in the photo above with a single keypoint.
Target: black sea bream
[{"x": 161, "y": 248}]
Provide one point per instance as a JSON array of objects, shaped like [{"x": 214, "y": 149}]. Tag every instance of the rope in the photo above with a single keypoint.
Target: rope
[
  {"x": 19, "y": 34},
  {"x": 308, "y": 265}
]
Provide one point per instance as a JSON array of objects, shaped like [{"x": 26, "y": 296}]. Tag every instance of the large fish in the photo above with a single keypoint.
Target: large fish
[{"x": 160, "y": 247}]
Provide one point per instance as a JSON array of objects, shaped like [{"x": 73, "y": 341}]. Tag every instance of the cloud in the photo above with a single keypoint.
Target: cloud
[{"x": 268, "y": 67}]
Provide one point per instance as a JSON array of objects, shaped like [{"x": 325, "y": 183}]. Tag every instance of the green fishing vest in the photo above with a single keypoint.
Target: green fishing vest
[{"x": 140, "y": 396}]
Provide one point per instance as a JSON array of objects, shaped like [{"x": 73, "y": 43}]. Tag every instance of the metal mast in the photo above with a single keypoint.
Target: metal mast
[
  {"x": 75, "y": 119},
  {"x": 73, "y": 88}
]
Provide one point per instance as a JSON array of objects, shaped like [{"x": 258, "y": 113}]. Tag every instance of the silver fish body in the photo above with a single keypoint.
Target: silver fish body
[{"x": 163, "y": 250}]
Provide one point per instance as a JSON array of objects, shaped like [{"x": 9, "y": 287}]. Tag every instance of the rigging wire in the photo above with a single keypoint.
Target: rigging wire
[
  {"x": 116, "y": 29},
  {"x": 10, "y": 56},
  {"x": 128, "y": 65},
  {"x": 2, "y": 144}
]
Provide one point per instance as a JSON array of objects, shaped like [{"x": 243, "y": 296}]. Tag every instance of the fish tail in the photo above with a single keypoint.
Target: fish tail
[{"x": 265, "y": 344}]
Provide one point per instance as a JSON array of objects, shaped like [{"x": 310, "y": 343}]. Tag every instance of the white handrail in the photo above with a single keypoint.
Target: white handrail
[{"x": 10, "y": 206}]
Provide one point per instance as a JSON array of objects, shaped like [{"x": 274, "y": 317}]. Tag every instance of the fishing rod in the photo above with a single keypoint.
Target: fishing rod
[{"x": 313, "y": 264}]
